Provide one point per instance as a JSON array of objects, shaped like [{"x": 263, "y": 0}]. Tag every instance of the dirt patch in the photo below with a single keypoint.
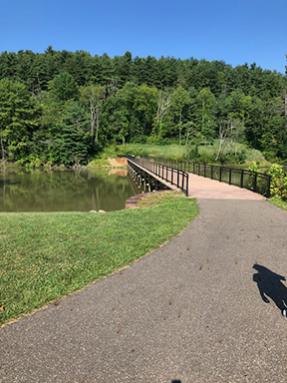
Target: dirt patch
[
  {"x": 118, "y": 172},
  {"x": 118, "y": 162},
  {"x": 133, "y": 202},
  {"x": 149, "y": 199}
]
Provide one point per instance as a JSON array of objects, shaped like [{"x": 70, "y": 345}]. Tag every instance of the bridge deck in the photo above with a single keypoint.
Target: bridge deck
[
  {"x": 170, "y": 179},
  {"x": 197, "y": 186}
]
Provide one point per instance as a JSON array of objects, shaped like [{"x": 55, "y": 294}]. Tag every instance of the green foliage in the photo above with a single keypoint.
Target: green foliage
[
  {"x": 253, "y": 167},
  {"x": 71, "y": 138},
  {"x": 205, "y": 116},
  {"x": 137, "y": 100},
  {"x": 92, "y": 97},
  {"x": 278, "y": 181},
  {"x": 63, "y": 87},
  {"x": 192, "y": 153},
  {"x": 274, "y": 137},
  {"x": 196, "y": 152},
  {"x": 30, "y": 162},
  {"x": 129, "y": 113},
  {"x": 174, "y": 151},
  {"x": 19, "y": 119},
  {"x": 279, "y": 202},
  {"x": 71, "y": 250}
]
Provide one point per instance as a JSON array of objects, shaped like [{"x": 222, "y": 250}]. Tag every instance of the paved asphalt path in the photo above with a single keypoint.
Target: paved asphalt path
[{"x": 190, "y": 311}]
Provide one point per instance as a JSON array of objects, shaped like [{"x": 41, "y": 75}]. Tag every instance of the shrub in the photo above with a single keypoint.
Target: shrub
[
  {"x": 253, "y": 167},
  {"x": 30, "y": 163},
  {"x": 192, "y": 153},
  {"x": 278, "y": 181}
]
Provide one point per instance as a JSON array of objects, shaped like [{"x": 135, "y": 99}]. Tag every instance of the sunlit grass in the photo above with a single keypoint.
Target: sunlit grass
[
  {"x": 44, "y": 256},
  {"x": 279, "y": 202},
  {"x": 206, "y": 153}
]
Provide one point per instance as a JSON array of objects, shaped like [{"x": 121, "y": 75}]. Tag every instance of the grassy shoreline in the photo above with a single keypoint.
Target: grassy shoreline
[
  {"x": 278, "y": 202},
  {"x": 48, "y": 255}
]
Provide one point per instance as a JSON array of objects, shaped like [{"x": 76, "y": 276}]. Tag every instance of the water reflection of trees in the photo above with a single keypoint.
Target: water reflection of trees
[{"x": 66, "y": 191}]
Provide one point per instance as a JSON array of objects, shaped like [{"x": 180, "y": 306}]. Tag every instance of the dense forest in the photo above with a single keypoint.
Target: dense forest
[{"x": 63, "y": 107}]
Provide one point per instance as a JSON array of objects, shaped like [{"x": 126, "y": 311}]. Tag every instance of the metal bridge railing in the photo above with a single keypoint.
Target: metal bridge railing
[
  {"x": 174, "y": 175},
  {"x": 176, "y": 172},
  {"x": 254, "y": 181}
]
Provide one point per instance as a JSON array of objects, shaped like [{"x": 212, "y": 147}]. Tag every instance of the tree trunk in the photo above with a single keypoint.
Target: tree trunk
[
  {"x": 180, "y": 128},
  {"x": 93, "y": 122},
  {"x": 2, "y": 148},
  {"x": 97, "y": 124},
  {"x": 223, "y": 133}
]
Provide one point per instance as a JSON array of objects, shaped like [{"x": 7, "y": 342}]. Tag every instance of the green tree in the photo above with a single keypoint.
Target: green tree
[
  {"x": 273, "y": 139},
  {"x": 63, "y": 87},
  {"x": 93, "y": 96},
  {"x": 71, "y": 144},
  {"x": 163, "y": 106},
  {"x": 123, "y": 68},
  {"x": 132, "y": 98},
  {"x": 19, "y": 118},
  {"x": 179, "y": 109},
  {"x": 130, "y": 112},
  {"x": 206, "y": 112}
]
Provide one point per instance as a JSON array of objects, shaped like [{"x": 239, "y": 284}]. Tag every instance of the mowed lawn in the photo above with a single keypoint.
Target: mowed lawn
[{"x": 44, "y": 256}]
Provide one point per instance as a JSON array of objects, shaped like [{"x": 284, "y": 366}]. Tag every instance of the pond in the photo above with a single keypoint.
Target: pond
[{"x": 64, "y": 191}]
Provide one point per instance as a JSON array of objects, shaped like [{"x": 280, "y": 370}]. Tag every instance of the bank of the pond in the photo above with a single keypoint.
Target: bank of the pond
[
  {"x": 109, "y": 163},
  {"x": 44, "y": 256}
]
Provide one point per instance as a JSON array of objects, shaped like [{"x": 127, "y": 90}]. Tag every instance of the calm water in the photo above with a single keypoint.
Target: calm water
[{"x": 63, "y": 191}]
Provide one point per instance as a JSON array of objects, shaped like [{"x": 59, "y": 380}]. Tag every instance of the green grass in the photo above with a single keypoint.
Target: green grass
[
  {"x": 206, "y": 153},
  {"x": 98, "y": 163},
  {"x": 44, "y": 256},
  {"x": 279, "y": 202},
  {"x": 173, "y": 151}
]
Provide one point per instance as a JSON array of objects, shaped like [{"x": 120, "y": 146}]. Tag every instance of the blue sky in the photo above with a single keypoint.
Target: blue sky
[{"x": 236, "y": 31}]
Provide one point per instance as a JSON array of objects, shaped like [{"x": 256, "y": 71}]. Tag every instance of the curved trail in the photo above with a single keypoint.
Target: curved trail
[{"x": 190, "y": 311}]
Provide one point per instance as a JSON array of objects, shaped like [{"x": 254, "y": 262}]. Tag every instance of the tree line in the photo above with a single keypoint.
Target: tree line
[{"x": 62, "y": 107}]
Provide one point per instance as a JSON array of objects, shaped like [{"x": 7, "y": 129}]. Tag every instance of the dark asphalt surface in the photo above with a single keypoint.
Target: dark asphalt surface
[{"x": 189, "y": 311}]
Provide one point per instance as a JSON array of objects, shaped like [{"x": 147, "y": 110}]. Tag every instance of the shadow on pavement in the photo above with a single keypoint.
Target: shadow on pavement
[{"x": 270, "y": 286}]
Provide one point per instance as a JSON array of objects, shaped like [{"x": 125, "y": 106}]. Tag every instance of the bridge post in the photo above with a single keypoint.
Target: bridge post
[
  {"x": 255, "y": 182},
  {"x": 268, "y": 192},
  {"x": 241, "y": 178}
]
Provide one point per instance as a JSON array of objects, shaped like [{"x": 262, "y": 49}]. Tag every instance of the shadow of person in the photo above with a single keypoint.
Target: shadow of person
[{"x": 270, "y": 286}]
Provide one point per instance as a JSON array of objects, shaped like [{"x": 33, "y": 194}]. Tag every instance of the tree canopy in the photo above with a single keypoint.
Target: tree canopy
[{"x": 63, "y": 107}]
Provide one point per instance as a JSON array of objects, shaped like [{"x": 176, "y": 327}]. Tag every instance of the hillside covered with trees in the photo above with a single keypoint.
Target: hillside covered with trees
[{"x": 61, "y": 107}]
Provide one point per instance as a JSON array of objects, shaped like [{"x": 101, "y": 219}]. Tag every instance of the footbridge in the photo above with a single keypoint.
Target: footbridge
[{"x": 153, "y": 175}]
